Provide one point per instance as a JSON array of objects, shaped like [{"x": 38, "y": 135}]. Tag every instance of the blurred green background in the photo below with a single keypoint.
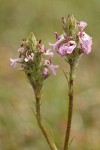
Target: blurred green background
[{"x": 18, "y": 127}]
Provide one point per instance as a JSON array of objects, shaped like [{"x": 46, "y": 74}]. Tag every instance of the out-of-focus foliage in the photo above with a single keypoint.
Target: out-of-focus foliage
[{"x": 18, "y": 127}]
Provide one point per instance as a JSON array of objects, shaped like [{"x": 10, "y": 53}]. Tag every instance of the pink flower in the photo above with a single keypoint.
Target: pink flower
[
  {"x": 29, "y": 57},
  {"x": 81, "y": 24},
  {"x": 58, "y": 43},
  {"x": 85, "y": 41},
  {"x": 21, "y": 49},
  {"x": 14, "y": 61},
  {"x": 52, "y": 68},
  {"x": 63, "y": 46},
  {"x": 42, "y": 48},
  {"x": 48, "y": 53},
  {"x": 67, "y": 48}
]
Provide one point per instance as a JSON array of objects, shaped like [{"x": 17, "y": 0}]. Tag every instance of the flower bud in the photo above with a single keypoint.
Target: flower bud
[
  {"x": 35, "y": 60},
  {"x": 70, "y": 26}
]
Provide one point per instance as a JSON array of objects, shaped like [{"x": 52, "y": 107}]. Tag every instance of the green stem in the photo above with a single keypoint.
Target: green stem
[
  {"x": 39, "y": 121},
  {"x": 70, "y": 109}
]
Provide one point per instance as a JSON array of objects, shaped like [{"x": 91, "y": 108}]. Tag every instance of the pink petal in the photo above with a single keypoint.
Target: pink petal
[
  {"x": 86, "y": 42},
  {"x": 48, "y": 53},
  {"x": 45, "y": 72},
  {"x": 52, "y": 68}
]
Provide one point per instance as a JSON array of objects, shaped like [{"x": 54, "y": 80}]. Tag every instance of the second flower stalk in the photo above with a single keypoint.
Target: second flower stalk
[{"x": 71, "y": 45}]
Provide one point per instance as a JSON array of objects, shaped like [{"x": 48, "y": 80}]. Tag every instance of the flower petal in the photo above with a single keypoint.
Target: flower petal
[
  {"x": 48, "y": 53},
  {"x": 85, "y": 41},
  {"x": 52, "y": 68}
]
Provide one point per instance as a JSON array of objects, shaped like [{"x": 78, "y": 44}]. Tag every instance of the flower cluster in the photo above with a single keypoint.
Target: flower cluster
[
  {"x": 35, "y": 60},
  {"x": 73, "y": 39}
]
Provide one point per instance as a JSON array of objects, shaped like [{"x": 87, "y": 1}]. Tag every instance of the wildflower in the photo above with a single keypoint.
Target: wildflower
[
  {"x": 67, "y": 48},
  {"x": 81, "y": 24},
  {"x": 73, "y": 39},
  {"x": 48, "y": 53},
  {"x": 35, "y": 60},
  {"x": 15, "y": 61},
  {"x": 21, "y": 50},
  {"x": 29, "y": 57},
  {"x": 58, "y": 43},
  {"x": 52, "y": 68},
  {"x": 85, "y": 41}
]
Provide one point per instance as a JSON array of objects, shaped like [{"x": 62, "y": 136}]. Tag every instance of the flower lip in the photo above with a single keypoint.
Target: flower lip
[
  {"x": 67, "y": 48},
  {"x": 62, "y": 50}
]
